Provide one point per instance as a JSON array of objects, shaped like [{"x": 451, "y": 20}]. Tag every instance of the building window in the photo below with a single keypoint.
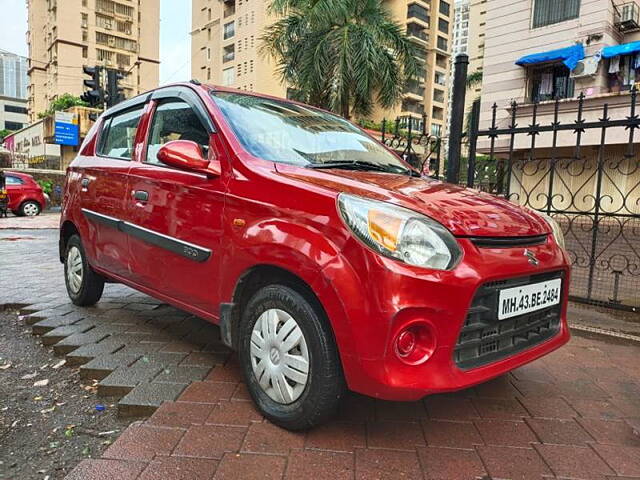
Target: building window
[
  {"x": 228, "y": 76},
  {"x": 445, "y": 8},
  {"x": 418, "y": 11},
  {"x": 622, "y": 73},
  {"x": 443, "y": 25},
  {"x": 436, "y": 129},
  {"x": 229, "y": 30},
  {"x": 548, "y": 12},
  {"x": 229, "y": 53},
  {"x": 85, "y": 52},
  {"x": 438, "y": 95},
  {"x": 443, "y": 44},
  {"x": 14, "y": 109},
  {"x": 13, "y": 125},
  {"x": 440, "y": 78},
  {"x": 550, "y": 82}
]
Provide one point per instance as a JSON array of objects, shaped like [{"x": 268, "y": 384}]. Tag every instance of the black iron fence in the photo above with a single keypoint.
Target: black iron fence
[
  {"x": 582, "y": 171},
  {"x": 418, "y": 147}
]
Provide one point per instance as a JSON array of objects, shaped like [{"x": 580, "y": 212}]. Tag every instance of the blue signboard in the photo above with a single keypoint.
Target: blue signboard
[{"x": 67, "y": 131}]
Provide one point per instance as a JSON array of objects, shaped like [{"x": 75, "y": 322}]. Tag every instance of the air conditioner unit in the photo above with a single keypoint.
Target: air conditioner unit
[{"x": 586, "y": 68}]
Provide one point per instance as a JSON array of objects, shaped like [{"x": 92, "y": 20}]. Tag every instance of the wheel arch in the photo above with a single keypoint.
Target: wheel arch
[
  {"x": 67, "y": 230},
  {"x": 252, "y": 280}
]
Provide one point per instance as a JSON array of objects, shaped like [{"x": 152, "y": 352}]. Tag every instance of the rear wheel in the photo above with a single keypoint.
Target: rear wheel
[
  {"x": 29, "y": 209},
  {"x": 84, "y": 286},
  {"x": 289, "y": 358}
]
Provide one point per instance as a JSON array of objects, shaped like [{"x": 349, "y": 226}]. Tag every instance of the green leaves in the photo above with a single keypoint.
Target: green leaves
[{"x": 343, "y": 55}]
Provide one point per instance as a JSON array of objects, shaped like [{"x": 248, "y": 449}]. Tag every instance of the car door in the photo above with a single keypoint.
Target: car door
[
  {"x": 175, "y": 216},
  {"x": 103, "y": 190},
  {"x": 15, "y": 190}
]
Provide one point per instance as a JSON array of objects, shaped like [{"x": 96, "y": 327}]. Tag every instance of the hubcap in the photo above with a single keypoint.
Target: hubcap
[
  {"x": 30, "y": 209},
  {"x": 74, "y": 269},
  {"x": 279, "y": 356}
]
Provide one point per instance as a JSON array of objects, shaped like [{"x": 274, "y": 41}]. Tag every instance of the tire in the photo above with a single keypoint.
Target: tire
[
  {"x": 29, "y": 209},
  {"x": 262, "y": 356},
  {"x": 84, "y": 286}
]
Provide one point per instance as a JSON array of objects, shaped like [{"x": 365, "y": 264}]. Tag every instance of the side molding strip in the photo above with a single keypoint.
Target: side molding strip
[{"x": 179, "y": 247}]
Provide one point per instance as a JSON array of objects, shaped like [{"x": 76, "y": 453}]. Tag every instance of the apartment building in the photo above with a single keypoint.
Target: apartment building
[
  {"x": 225, "y": 43},
  {"x": 225, "y": 51},
  {"x": 13, "y": 91},
  {"x": 468, "y": 38},
  {"x": 540, "y": 50},
  {"x": 65, "y": 35}
]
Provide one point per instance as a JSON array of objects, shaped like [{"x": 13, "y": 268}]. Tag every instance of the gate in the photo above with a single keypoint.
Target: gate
[{"x": 592, "y": 188}]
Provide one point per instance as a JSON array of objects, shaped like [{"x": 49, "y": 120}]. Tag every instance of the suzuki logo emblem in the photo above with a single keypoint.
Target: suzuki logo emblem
[{"x": 531, "y": 257}]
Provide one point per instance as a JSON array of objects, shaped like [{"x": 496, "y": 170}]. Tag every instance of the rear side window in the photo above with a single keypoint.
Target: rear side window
[
  {"x": 13, "y": 180},
  {"x": 119, "y": 134}
]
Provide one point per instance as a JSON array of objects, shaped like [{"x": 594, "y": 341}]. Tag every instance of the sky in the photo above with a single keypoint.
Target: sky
[{"x": 175, "y": 41}]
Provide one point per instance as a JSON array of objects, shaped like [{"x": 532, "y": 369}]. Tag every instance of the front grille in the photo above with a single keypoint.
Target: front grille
[
  {"x": 508, "y": 242},
  {"x": 485, "y": 339}
]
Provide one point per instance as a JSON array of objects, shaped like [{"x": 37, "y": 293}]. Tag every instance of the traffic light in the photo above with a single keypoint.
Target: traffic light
[
  {"x": 95, "y": 96},
  {"x": 115, "y": 93}
]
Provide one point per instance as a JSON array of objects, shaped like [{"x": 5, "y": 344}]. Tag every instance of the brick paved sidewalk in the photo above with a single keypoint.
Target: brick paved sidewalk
[{"x": 569, "y": 415}]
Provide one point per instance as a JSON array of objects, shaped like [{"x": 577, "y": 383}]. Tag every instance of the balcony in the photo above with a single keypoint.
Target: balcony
[
  {"x": 415, "y": 90},
  {"x": 417, "y": 32},
  {"x": 412, "y": 107},
  {"x": 627, "y": 17},
  {"x": 418, "y": 12}
]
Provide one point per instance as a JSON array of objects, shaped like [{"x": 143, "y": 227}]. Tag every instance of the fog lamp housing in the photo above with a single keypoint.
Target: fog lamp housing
[{"x": 414, "y": 344}]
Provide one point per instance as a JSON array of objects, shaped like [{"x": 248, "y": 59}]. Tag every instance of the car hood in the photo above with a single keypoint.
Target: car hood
[{"x": 465, "y": 212}]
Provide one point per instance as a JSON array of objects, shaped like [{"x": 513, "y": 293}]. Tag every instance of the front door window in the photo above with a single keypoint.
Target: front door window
[{"x": 175, "y": 120}]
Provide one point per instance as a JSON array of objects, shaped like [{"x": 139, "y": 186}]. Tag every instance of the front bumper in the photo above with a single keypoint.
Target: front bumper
[{"x": 398, "y": 295}]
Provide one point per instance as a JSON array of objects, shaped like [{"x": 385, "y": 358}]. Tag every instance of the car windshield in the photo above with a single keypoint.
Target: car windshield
[{"x": 285, "y": 132}]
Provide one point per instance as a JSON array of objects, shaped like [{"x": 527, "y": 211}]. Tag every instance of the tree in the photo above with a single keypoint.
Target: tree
[
  {"x": 474, "y": 79},
  {"x": 4, "y": 133},
  {"x": 64, "y": 101},
  {"x": 343, "y": 55}
]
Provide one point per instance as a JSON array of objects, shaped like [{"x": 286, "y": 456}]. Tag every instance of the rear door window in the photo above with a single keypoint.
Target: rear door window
[
  {"x": 119, "y": 134},
  {"x": 10, "y": 180}
]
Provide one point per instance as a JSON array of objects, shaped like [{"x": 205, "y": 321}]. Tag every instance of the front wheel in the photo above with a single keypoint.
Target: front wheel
[
  {"x": 29, "y": 209},
  {"x": 289, "y": 358},
  {"x": 84, "y": 286}
]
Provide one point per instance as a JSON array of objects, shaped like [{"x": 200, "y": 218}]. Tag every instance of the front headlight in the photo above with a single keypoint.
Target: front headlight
[
  {"x": 555, "y": 228},
  {"x": 400, "y": 233}
]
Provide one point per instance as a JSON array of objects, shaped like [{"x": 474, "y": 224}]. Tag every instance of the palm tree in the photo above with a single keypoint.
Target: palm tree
[{"x": 343, "y": 55}]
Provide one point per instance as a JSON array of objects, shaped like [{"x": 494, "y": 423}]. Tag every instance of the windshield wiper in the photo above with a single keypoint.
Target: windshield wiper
[{"x": 361, "y": 165}]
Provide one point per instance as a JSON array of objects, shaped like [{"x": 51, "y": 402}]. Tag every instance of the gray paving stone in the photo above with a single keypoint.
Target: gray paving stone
[
  {"x": 122, "y": 380},
  {"x": 145, "y": 398},
  {"x": 101, "y": 366},
  {"x": 48, "y": 324},
  {"x": 88, "y": 352},
  {"x": 185, "y": 375},
  {"x": 163, "y": 358},
  {"x": 58, "y": 334},
  {"x": 69, "y": 344}
]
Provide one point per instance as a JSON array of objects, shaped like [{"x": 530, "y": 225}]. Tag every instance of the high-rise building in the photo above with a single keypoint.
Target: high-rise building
[
  {"x": 65, "y": 35},
  {"x": 13, "y": 91},
  {"x": 13, "y": 75},
  {"x": 225, "y": 45},
  {"x": 225, "y": 51},
  {"x": 468, "y": 39}
]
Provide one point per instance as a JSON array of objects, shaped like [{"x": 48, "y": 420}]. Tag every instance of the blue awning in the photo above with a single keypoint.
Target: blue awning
[
  {"x": 570, "y": 56},
  {"x": 624, "y": 49}
]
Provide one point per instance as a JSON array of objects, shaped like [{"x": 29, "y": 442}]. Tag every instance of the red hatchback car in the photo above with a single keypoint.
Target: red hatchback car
[
  {"x": 327, "y": 261},
  {"x": 26, "y": 198}
]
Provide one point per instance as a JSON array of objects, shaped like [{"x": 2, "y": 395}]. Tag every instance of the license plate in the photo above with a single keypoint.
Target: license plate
[{"x": 528, "y": 298}]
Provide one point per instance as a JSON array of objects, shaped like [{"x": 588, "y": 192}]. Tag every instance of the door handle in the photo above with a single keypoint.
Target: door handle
[
  {"x": 85, "y": 183},
  {"x": 141, "y": 195}
]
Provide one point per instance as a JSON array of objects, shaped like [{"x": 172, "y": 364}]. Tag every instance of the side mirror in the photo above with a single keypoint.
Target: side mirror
[{"x": 186, "y": 155}]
